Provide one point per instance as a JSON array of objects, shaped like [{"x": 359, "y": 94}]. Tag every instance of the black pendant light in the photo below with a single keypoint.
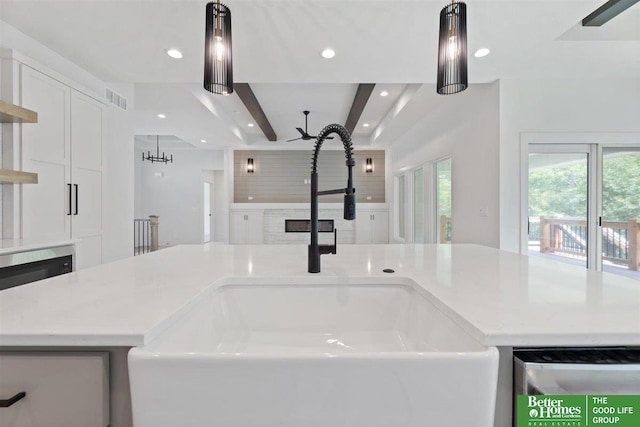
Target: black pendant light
[
  {"x": 157, "y": 158},
  {"x": 218, "y": 66},
  {"x": 452, "y": 49}
]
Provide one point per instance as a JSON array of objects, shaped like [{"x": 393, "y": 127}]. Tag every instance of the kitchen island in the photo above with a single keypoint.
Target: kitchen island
[{"x": 500, "y": 298}]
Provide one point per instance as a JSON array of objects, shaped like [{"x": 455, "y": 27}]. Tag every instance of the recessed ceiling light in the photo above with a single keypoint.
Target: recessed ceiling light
[
  {"x": 203, "y": 140},
  {"x": 162, "y": 116},
  {"x": 366, "y": 125},
  {"x": 384, "y": 93},
  {"x": 174, "y": 53},
  {"x": 328, "y": 53},
  {"x": 250, "y": 125},
  {"x": 483, "y": 51}
]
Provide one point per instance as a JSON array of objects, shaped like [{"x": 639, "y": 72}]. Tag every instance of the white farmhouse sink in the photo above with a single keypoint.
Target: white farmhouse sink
[{"x": 256, "y": 353}]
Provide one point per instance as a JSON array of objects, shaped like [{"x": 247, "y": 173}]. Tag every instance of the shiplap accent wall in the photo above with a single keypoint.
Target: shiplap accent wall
[{"x": 281, "y": 176}]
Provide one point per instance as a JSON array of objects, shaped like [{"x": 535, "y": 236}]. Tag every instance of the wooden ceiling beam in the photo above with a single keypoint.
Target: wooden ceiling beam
[
  {"x": 250, "y": 101},
  {"x": 359, "y": 102},
  {"x": 606, "y": 12}
]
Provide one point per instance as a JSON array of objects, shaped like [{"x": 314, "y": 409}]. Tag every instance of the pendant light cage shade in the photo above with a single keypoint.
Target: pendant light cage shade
[
  {"x": 452, "y": 49},
  {"x": 218, "y": 64}
]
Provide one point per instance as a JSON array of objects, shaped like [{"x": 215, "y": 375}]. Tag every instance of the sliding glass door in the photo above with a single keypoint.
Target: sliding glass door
[
  {"x": 559, "y": 203},
  {"x": 620, "y": 217},
  {"x": 584, "y": 205}
]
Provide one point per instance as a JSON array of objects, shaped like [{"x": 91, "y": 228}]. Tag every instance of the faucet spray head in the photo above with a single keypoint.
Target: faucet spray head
[{"x": 350, "y": 205}]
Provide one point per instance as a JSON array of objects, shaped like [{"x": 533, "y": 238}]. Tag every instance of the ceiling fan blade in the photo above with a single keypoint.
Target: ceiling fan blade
[
  {"x": 303, "y": 133},
  {"x": 295, "y": 139},
  {"x": 316, "y": 137}
]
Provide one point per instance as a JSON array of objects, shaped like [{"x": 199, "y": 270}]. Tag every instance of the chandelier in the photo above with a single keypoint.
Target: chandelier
[{"x": 157, "y": 158}]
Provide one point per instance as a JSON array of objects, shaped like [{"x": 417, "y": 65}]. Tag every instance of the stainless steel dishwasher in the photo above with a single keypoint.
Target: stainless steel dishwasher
[{"x": 576, "y": 371}]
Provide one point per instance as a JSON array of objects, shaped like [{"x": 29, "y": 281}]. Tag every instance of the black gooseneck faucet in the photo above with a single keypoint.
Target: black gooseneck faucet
[{"x": 315, "y": 250}]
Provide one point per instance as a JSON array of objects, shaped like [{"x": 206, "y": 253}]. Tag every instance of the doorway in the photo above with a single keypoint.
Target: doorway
[{"x": 207, "y": 208}]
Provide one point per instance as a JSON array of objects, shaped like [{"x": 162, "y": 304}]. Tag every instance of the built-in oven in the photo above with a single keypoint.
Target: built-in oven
[{"x": 29, "y": 266}]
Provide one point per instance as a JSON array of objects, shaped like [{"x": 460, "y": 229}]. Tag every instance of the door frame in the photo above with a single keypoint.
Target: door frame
[{"x": 211, "y": 208}]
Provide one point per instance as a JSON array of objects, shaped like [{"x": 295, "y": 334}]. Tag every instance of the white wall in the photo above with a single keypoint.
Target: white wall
[
  {"x": 567, "y": 110},
  {"x": 177, "y": 195},
  {"x": 220, "y": 208},
  {"x": 466, "y": 127},
  {"x": 117, "y": 186},
  {"x": 11, "y": 38}
]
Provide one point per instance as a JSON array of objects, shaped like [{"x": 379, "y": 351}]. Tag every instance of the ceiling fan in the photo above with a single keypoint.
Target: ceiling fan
[{"x": 305, "y": 135}]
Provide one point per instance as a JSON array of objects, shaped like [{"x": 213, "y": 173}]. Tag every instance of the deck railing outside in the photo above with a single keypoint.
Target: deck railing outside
[
  {"x": 145, "y": 235},
  {"x": 568, "y": 237},
  {"x": 444, "y": 229}
]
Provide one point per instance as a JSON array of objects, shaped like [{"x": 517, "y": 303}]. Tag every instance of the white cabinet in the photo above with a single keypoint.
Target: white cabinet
[
  {"x": 372, "y": 227},
  {"x": 246, "y": 227},
  {"x": 65, "y": 149},
  {"x": 62, "y": 389}
]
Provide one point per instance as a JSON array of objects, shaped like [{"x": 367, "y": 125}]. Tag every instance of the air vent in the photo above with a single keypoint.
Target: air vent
[{"x": 117, "y": 99}]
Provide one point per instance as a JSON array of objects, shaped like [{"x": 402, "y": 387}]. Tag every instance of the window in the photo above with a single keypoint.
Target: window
[
  {"x": 400, "y": 207},
  {"x": 418, "y": 206},
  {"x": 443, "y": 200}
]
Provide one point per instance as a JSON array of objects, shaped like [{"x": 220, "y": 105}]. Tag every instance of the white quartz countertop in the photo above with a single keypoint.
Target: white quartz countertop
[
  {"x": 8, "y": 246},
  {"x": 500, "y": 298}
]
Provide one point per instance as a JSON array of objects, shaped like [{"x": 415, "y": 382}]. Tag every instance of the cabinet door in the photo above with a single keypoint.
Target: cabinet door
[
  {"x": 62, "y": 389},
  {"x": 380, "y": 229},
  {"x": 246, "y": 227},
  {"x": 364, "y": 223},
  {"x": 238, "y": 227},
  {"x": 86, "y": 173},
  {"x": 372, "y": 227},
  {"x": 255, "y": 228},
  {"x": 46, "y": 151}
]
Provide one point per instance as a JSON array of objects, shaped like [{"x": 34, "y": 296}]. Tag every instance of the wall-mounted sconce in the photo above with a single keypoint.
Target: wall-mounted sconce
[
  {"x": 369, "y": 166},
  {"x": 249, "y": 165}
]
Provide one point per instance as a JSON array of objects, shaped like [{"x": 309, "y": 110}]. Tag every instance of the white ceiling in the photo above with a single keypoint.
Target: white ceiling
[{"x": 277, "y": 46}]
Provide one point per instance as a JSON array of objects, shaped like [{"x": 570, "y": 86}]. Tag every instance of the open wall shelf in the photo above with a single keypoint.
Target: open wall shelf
[
  {"x": 10, "y": 113},
  {"x": 17, "y": 177}
]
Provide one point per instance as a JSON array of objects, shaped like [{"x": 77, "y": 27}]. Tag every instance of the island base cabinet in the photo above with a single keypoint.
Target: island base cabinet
[{"x": 62, "y": 389}]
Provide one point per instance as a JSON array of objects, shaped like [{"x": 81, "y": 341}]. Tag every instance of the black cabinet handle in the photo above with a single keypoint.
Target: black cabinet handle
[
  {"x": 76, "y": 212},
  {"x": 5, "y": 403},
  {"x": 69, "y": 188}
]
